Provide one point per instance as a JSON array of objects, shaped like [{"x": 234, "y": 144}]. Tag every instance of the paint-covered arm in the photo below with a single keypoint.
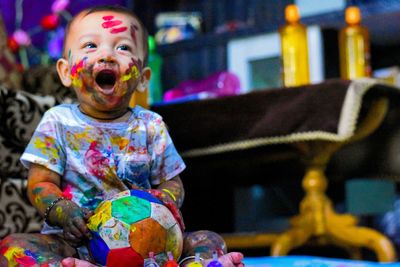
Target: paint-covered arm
[
  {"x": 173, "y": 188},
  {"x": 43, "y": 190},
  {"x": 171, "y": 193},
  {"x": 43, "y": 187}
]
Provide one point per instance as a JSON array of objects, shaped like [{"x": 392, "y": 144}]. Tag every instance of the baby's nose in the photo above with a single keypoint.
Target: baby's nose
[{"x": 106, "y": 59}]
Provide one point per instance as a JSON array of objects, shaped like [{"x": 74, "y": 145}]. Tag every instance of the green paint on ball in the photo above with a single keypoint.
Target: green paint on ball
[{"x": 130, "y": 209}]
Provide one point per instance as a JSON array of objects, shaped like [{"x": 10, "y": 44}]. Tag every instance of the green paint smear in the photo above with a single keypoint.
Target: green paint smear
[
  {"x": 37, "y": 190},
  {"x": 49, "y": 199},
  {"x": 130, "y": 209}
]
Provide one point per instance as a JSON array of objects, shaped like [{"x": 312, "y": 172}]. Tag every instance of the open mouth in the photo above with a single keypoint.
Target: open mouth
[{"x": 106, "y": 79}]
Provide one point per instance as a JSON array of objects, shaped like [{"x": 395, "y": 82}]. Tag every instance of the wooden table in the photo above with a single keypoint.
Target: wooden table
[{"x": 317, "y": 120}]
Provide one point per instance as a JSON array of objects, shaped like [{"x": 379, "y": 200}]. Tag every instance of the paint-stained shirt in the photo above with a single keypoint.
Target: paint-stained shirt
[{"x": 98, "y": 159}]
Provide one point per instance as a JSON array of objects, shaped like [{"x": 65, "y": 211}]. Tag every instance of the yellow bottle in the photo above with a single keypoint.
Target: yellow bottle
[
  {"x": 354, "y": 47},
  {"x": 294, "y": 49}
]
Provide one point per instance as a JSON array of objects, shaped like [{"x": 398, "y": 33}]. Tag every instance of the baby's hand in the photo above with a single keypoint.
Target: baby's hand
[
  {"x": 72, "y": 219},
  {"x": 170, "y": 204}
]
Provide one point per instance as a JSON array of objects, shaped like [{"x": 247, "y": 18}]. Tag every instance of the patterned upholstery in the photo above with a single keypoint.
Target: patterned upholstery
[
  {"x": 20, "y": 112},
  {"x": 24, "y": 96}
]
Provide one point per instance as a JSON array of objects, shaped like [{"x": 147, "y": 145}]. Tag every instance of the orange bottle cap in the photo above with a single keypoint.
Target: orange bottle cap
[
  {"x": 292, "y": 13},
  {"x": 353, "y": 15}
]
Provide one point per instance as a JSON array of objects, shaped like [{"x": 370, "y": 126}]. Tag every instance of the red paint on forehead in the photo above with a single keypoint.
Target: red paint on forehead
[
  {"x": 111, "y": 23},
  {"x": 118, "y": 30},
  {"x": 108, "y": 17}
]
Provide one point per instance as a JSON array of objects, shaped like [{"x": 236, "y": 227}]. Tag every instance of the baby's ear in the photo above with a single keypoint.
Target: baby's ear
[
  {"x": 64, "y": 72},
  {"x": 144, "y": 80}
]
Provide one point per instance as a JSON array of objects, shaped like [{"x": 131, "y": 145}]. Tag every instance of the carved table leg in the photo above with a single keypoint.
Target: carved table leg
[
  {"x": 317, "y": 218},
  {"x": 290, "y": 239},
  {"x": 363, "y": 237},
  {"x": 311, "y": 221}
]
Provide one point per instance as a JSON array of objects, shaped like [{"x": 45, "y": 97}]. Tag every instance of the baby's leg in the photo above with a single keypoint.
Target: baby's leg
[
  {"x": 34, "y": 249},
  {"x": 206, "y": 242}
]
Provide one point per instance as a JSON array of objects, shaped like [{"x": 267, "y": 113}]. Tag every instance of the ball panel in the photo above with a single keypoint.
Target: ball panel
[
  {"x": 145, "y": 195},
  {"x": 130, "y": 209},
  {"x": 115, "y": 233},
  {"x": 122, "y": 257},
  {"x": 98, "y": 249},
  {"x": 162, "y": 215},
  {"x": 174, "y": 241},
  {"x": 147, "y": 236},
  {"x": 122, "y": 194},
  {"x": 101, "y": 215}
]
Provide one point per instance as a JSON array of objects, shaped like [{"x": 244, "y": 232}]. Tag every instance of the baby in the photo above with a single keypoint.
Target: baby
[{"x": 81, "y": 154}]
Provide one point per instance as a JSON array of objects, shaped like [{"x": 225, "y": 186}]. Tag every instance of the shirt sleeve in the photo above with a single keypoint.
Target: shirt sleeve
[
  {"x": 45, "y": 147},
  {"x": 166, "y": 161}
]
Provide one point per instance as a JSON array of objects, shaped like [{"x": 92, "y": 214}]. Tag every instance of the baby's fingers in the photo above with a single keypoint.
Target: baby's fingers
[
  {"x": 72, "y": 239},
  {"x": 87, "y": 213},
  {"x": 80, "y": 225}
]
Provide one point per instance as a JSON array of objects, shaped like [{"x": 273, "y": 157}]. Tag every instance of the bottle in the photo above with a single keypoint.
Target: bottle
[
  {"x": 155, "y": 64},
  {"x": 151, "y": 262},
  {"x": 354, "y": 46},
  {"x": 196, "y": 262},
  {"x": 294, "y": 48},
  {"x": 170, "y": 262},
  {"x": 214, "y": 262}
]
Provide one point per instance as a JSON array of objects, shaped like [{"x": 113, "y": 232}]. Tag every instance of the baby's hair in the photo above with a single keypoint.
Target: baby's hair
[{"x": 117, "y": 9}]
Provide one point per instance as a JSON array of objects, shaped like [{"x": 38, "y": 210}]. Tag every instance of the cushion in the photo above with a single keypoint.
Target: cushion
[
  {"x": 17, "y": 215},
  {"x": 44, "y": 80},
  {"x": 20, "y": 112}
]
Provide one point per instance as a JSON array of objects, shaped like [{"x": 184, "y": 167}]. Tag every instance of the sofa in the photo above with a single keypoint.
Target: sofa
[
  {"x": 24, "y": 96},
  {"x": 20, "y": 112}
]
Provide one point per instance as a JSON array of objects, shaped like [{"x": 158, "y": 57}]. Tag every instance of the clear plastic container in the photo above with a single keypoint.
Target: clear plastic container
[
  {"x": 294, "y": 47},
  {"x": 354, "y": 47}
]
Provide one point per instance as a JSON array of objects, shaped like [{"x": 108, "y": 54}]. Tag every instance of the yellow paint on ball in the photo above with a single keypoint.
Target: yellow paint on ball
[
  {"x": 101, "y": 216},
  {"x": 117, "y": 235}
]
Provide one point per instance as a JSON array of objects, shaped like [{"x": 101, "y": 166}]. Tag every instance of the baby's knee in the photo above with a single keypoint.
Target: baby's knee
[
  {"x": 3, "y": 260},
  {"x": 205, "y": 242},
  {"x": 8, "y": 246},
  {"x": 11, "y": 240}
]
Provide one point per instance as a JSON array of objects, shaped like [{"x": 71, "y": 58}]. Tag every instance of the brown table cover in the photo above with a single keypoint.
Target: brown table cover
[{"x": 326, "y": 111}]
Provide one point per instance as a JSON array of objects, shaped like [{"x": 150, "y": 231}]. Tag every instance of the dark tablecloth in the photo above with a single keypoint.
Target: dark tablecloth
[{"x": 326, "y": 111}]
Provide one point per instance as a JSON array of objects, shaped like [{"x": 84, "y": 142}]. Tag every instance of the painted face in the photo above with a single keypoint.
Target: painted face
[{"x": 105, "y": 60}]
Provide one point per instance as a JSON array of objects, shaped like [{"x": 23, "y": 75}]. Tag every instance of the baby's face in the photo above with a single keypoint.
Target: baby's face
[{"x": 105, "y": 60}]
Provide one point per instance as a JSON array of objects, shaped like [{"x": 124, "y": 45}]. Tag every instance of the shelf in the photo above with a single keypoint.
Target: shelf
[{"x": 381, "y": 17}]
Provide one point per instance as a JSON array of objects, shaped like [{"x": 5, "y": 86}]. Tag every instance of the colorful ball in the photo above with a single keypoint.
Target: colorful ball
[{"x": 131, "y": 225}]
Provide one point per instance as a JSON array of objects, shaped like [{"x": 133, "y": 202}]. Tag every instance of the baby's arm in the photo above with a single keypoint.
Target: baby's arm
[
  {"x": 174, "y": 189},
  {"x": 44, "y": 193},
  {"x": 171, "y": 192}
]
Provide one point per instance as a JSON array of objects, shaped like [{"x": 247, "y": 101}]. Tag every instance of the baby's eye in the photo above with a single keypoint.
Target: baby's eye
[
  {"x": 124, "y": 47},
  {"x": 89, "y": 45}
]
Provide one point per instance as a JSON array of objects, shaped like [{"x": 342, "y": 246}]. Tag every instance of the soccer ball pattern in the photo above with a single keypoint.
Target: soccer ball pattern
[{"x": 129, "y": 226}]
